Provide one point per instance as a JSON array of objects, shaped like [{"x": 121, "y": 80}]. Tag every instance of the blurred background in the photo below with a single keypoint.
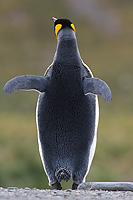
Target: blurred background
[{"x": 104, "y": 32}]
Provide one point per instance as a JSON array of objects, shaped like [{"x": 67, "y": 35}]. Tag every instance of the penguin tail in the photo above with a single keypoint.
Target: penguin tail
[{"x": 63, "y": 173}]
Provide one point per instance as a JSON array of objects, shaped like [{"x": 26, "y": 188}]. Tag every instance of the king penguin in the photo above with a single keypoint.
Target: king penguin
[{"x": 67, "y": 110}]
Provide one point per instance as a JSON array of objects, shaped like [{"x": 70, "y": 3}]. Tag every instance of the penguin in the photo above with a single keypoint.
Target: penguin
[{"x": 67, "y": 111}]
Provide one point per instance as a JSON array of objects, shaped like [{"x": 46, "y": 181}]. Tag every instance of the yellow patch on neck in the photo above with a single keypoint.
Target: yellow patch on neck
[
  {"x": 57, "y": 28},
  {"x": 73, "y": 27}
]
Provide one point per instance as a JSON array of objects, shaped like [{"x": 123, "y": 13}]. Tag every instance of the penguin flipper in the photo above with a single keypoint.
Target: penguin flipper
[
  {"x": 97, "y": 87},
  {"x": 26, "y": 82}
]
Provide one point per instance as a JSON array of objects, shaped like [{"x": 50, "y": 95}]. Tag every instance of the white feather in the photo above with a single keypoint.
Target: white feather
[
  {"x": 93, "y": 145},
  {"x": 39, "y": 142}
]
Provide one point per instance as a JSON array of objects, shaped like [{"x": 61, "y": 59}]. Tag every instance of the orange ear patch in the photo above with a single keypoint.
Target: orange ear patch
[
  {"x": 73, "y": 27},
  {"x": 57, "y": 28}
]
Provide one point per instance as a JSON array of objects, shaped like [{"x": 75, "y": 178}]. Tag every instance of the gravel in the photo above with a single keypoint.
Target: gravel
[{"x": 14, "y": 193}]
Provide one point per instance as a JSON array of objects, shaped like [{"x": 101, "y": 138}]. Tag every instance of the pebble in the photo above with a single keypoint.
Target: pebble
[{"x": 107, "y": 186}]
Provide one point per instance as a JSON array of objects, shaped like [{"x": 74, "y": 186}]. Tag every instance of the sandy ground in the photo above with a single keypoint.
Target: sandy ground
[{"x": 13, "y": 193}]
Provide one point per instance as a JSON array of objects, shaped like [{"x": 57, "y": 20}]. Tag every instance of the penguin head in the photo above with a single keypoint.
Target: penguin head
[{"x": 60, "y": 24}]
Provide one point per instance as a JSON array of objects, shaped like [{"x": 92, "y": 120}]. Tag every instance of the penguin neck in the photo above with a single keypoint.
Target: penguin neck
[
  {"x": 67, "y": 49},
  {"x": 66, "y": 71}
]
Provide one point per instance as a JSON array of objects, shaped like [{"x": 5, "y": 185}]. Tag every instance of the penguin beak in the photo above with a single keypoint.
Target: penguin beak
[{"x": 54, "y": 19}]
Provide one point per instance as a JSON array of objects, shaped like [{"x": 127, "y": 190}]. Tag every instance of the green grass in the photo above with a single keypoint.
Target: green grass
[{"x": 27, "y": 47}]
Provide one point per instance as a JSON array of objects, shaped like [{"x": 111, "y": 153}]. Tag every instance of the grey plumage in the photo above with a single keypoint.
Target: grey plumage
[
  {"x": 67, "y": 110},
  {"x": 98, "y": 87},
  {"x": 26, "y": 82}
]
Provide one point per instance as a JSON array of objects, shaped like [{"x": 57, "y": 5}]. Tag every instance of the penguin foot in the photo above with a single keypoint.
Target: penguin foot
[
  {"x": 74, "y": 186},
  {"x": 56, "y": 186}
]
